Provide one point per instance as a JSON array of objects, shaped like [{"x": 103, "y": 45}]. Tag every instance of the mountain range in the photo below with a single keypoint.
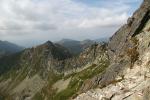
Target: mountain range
[
  {"x": 76, "y": 47},
  {"x": 34, "y": 71},
  {"x": 83, "y": 70}
]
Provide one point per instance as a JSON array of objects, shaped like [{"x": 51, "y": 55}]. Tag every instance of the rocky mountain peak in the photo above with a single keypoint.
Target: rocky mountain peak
[{"x": 49, "y": 43}]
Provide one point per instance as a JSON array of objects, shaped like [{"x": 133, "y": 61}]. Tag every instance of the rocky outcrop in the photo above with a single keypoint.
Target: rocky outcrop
[
  {"x": 54, "y": 56},
  {"x": 127, "y": 77},
  {"x": 134, "y": 82},
  {"x": 121, "y": 42}
]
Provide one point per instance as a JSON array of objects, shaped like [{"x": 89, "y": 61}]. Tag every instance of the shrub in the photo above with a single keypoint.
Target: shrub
[
  {"x": 132, "y": 52},
  {"x": 135, "y": 41},
  {"x": 148, "y": 29}
]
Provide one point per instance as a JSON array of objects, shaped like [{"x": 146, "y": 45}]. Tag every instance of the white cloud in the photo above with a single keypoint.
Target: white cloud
[
  {"x": 20, "y": 18},
  {"x": 110, "y": 21}
]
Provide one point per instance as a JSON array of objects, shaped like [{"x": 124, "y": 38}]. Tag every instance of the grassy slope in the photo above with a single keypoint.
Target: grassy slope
[{"x": 77, "y": 79}]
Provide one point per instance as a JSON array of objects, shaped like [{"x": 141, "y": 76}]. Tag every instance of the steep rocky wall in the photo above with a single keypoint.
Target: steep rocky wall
[
  {"x": 134, "y": 84},
  {"x": 121, "y": 41},
  {"x": 121, "y": 44}
]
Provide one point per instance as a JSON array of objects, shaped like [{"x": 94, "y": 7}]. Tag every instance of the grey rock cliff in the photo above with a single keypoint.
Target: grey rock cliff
[
  {"x": 127, "y": 77},
  {"x": 120, "y": 42}
]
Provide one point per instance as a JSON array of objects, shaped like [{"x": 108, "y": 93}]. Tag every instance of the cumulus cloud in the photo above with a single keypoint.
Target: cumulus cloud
[{"x": 24, "y": 18}]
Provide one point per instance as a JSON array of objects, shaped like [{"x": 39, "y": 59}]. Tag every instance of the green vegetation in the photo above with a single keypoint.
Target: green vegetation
[
  {"x": 78, "y": 79},
  {"x": 71, "y": 90},
  {"x": 48, "y": 91},
  {"x": 133, "y": 54},
  {"x": 38, "y": 96},
  {"x": 8, "y": 63},
  {"x": 2, "y": 98},
  {"x": 135, "y": 41}
]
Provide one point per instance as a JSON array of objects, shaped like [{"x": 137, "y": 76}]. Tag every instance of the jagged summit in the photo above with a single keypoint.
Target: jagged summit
[
  {"x": 52, "y": 50},
  {"x": 49, "y": 43}
]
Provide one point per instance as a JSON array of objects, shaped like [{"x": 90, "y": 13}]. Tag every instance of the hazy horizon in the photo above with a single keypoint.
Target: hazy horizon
[
  {"x": 32, "y": 22},
  {"x": 36, "y": 43}
]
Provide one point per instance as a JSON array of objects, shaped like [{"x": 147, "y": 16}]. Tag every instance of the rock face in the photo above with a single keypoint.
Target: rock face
[
  {"x": 123, "y": 40},
  {"x": 127, "y": 77}
]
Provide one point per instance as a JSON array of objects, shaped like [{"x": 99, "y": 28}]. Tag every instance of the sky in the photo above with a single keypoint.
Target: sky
[{"x": 31, "y": 22}]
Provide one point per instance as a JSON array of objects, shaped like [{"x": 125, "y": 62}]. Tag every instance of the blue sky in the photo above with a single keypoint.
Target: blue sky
[
  {"x": 103, "y": 3},
  {"x": 30, "y": 22}
]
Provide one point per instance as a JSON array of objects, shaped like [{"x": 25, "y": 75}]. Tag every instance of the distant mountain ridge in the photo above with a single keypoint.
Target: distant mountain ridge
[
  {"x": 7, "y": 48},
  {"x": 74, "y": 46}
]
